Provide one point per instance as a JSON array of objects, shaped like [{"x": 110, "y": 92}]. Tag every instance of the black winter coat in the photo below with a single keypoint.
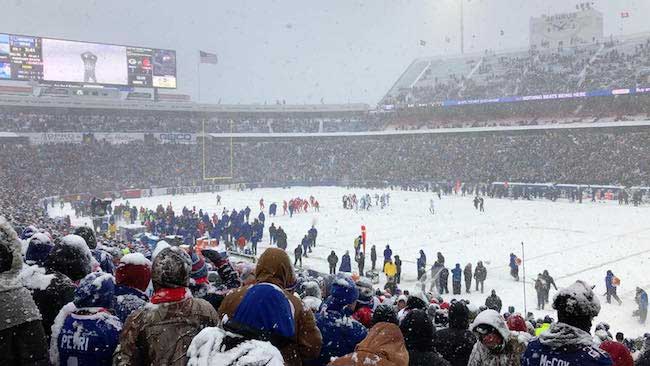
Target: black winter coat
[
  {"x": 455, "y": 345},
  {"x": 332, "y": 259},
  {"x": 493, "y": 302},
  {"x": 53, "y": 298}
]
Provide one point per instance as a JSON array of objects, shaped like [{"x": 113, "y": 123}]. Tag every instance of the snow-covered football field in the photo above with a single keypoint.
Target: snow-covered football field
[{"x": 573, "y": 241}]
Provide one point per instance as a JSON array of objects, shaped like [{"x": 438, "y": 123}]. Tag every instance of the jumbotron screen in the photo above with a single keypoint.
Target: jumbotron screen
[{"x": 51, "y": 60}]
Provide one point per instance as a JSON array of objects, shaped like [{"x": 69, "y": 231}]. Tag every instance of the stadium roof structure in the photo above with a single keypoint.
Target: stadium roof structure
[{"x": 99, "y": 103}]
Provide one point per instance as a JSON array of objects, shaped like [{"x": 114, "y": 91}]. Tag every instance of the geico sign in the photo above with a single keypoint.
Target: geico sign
[{"x": 176, "y": 137}]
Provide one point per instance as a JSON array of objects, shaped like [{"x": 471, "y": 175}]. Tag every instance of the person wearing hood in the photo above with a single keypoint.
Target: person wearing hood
[
  {"x": 568, "y": 342},
  {"x": 610, "y": 286},
  {"x": 274, "y": 267},
  {"x": 493, "y": 302},
  {"x": 398, "y": 269},
  {"x": 641, "y": 299},
  {"x": 456, "y": 342},
  {"x": 549, "y": 282},
  {"x": 160, "y": 333},
  {"x": 456, "y": 277},
  {"x": 388, "y": 254},
  {"x": 444, "y": 280},
  {"x": 67, "y": 262},
  {"x": 480, "y": 274},
  {"x": 514, "y": 267},
  {"x": 22, "y": 338},
  {"x": 311, "y": 295},
  {"x": 496, "y": 345},
  {"x": 341, "y": 333},
  {"x": 540, "y": 289},
  {"x": 418, "y": 331},
  {"x": 363, "y": 310},
  {"x": 467, "y": 274},
  {"x": 332, "y": 260},
  {"x": 361, "y": 262},
  {"x": 86, "y": 332},
  {"x": 619, "y": 354},
  {"x": 384, "y": 346},
  {"x": 346, "y": 264},
  {"x": 202, "y": 288},
  {"x": 373, "y": 257},
  {"x": 421, "y": 264},
  {"x": 132, "y": 277},
  {"x": 104, "y": 259},
  {"x": 384, "y": 313}
]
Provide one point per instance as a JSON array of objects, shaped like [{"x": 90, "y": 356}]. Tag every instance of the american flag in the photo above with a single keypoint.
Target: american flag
[{"x": 207, "y": 57}]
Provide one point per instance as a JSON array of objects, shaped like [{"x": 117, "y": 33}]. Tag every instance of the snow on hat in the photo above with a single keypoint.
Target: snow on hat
[
  {"x": 384, "y": 313},
  {"x": 171, "y": 268},
  {"x": 311, "y": 288},
  {"x": 71, "y": 257},
  {"x": 265, "y": 309},
  {"x": 343, "y": 292},
  {"x": 95, "y": 290},
  {"x": 88, "y": 234},
  {"x": 364, "y": 286},
  {"x": 517, "y": 323},
  {"x": 38, "y": 248},
  {"x": 199, "y": 269},
  {"x": 577, "y": 300},
  {"x": 28, "y": 232},
  {"x": 458, "y": 315},
  {"x": 133, "y": 271},
  {"x": 493, "y": 319}
]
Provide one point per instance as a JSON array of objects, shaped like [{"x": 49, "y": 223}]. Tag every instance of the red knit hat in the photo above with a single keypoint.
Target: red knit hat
[
  {"x": 618, "y": 352},
  {"x": 517, "y": 323},
  {"x": 133, "y": 272}
]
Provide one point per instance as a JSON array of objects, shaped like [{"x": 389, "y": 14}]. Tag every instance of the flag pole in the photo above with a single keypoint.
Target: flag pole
[
  {"x": 198, "y": 76},
  {"x": 523, "y": 265}
]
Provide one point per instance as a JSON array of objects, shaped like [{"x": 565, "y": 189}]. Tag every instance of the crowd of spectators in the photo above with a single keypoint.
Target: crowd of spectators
[{"x": 615, "y": 63}]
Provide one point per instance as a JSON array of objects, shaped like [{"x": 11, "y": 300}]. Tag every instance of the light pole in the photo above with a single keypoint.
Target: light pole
[{"x": 462, "y": 29}]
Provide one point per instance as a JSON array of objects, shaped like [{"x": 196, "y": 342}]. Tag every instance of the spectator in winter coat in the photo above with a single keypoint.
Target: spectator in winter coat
[
  {"x": 161, "y": 334},
  {"x": 305, "y": 245},
  {"x": 332, "y": 260},
  {"x": 384, "y": 313},
  {"x": 272, "y": 233},
  {"x": 456, "y": 342},
  {"x": 361, "y": 262},
  {"x": 514, "y": 267},
  {"x": 202, "y": 288},
  {"x": 641, "y": 299},
  {"x": 341, "y": 333},
  {"x": 435, "y": 277},
  {"x": 87, "y": 318},
  {"x": 312, "y": 233},
  {"x": 297, "y": 256},
  {"x": 496, "y": 345},
  {"x": 104, "y": 259},
  {"x": 384, "y": 346},
  {"x": 610, "y": 286},
  {"x": 274, "y": 267},
  {"x": 444, "y": 280},
  {"x": 440, "y": 258},
  {"x": 456, "y": 276},
  {"x": 493, "y": 302},
  {"x": 390, "y": 269},
  {"x": 480, "y": 274},
  {"x": 467, "y": 274},
  {"x": 373, "y": 257},
  {"x": 540, "y": 288},
  {"x": 311, "y": 295},
  {"x": 619, "y": 354},
  {"x": 281, "y": 238},
  {"x": 346, "y": 265},
  {"x": 421, "y": 264},
  {"x": 132, "y": 278},
  {"x": 568, "y": 341},
  {"x": 418, "y": 330},
  {"x": 388, "y": 254},
  {"x": 398, "y": 269},
  {"x": 363, "y": 310},
  {"x": 549, "y": 282},
  {"x": 22, "y": 339}
]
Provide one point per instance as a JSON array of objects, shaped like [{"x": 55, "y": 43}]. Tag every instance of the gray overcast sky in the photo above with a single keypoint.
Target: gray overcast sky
[{"x": 299, "y": 50}]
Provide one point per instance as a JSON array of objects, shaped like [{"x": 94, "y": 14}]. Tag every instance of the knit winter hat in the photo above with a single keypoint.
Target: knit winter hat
[
  {"x": 266, "y": 310},
  {"x": 576, "y": 301},
  {"x": 343, "y": 292},
  {"x": 171, "y": 268},
  {"x": 364, "y": 286},
  {"x": 38, "y": 248},
  {"x": 95, "y": 290},
  {"x": 133, "y": 271},
  {"x": 199, "y": 269},
  {"x": 88, "y": 234},
  {"x": 384, "y": 313},
  {"x": 71, "y": 257}
]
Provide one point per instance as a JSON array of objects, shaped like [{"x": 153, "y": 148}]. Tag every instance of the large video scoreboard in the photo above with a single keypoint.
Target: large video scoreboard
[{"x": 58, "y": 61}]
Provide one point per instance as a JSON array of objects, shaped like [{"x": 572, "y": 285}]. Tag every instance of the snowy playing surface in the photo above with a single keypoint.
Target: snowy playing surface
[{"x": 573, "y": 241}]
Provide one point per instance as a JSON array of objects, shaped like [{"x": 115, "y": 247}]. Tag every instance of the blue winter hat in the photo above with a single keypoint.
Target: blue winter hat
[
  {"x": 199, "y": 269},
  {"x": 266, "y": 309},
  {"x": 95, "y": 290},
  {"x": 38, "y": 248},
  {"x": 343, "y": 292}
]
